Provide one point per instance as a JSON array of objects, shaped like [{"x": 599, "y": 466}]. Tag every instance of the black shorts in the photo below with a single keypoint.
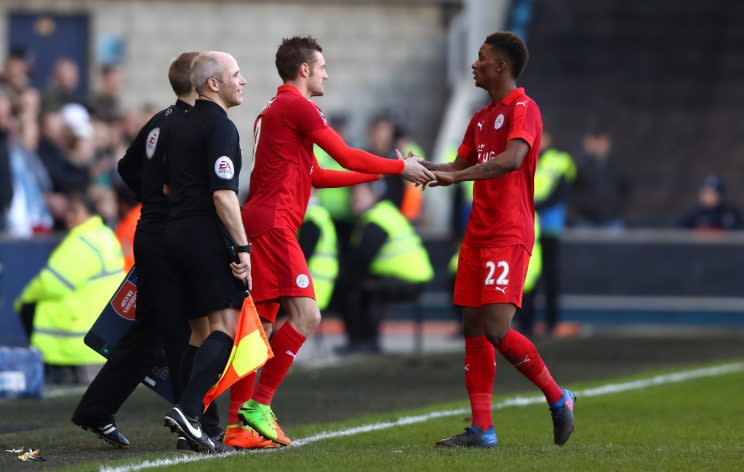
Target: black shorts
[
  {"x": 199, "y": 253},
  {"x": 159, "y": 304}
]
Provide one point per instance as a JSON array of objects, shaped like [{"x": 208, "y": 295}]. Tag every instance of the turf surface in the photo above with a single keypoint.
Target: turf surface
[
  {"x": 353, "y": 391},
  {"x": 694, "y": 425}
]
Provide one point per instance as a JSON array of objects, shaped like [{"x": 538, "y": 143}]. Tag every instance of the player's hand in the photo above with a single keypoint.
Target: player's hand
[
  {"x": 414, "y": 171},
  {"x": 443, "y": 179},
  {"x": 411, "y": 155},
  {"x": 242, "y": 270}
]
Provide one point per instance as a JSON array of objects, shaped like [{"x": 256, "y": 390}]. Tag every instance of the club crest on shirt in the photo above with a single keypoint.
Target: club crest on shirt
[
  {"x": 302, "y": 281},
  {"x": 499, "y": 121},
  {"x": 152, "y": 142},
  {"x": 224, "y": 169}
]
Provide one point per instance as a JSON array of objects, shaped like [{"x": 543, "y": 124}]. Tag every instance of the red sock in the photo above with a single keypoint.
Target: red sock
[
  {"x": 240, "y": 392},
  {"x": 286, "y": 344},
  {"x": 522, "y": 354},
  {"x": 480, "y": 370}
]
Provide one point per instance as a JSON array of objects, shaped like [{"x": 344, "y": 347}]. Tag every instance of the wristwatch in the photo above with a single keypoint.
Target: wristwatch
[{"x": 247, "y": 248}]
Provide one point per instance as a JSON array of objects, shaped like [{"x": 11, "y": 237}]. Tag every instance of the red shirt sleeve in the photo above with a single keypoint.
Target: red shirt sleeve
[
  {"x": 307, "y": 117},
  {"x": 467, "y": 148},
  {"x": 525, "y": 122},
  {"x": 352, "y": 158},
  {"x": 326, "y": 178}
]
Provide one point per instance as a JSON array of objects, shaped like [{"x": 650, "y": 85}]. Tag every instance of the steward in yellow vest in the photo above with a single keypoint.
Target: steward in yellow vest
[
  {"x": 554, "y": 175},
  {"x": 62, "y": 302},
  {"x": 387, "y": 260},
  {"x": 317, "y": 237}
]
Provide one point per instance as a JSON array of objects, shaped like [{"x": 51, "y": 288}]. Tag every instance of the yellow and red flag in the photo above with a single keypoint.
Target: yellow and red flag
[{"x": 250, "y": 351}]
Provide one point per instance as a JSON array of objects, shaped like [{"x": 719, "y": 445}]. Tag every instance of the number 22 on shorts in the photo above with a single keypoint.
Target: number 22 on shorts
[{"x": 503, "y": 266}]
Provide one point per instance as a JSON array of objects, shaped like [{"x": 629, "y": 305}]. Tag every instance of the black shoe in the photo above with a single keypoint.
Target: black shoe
[
  {"x": 190, "y": 429},
  {"x": 183, "y": 445},
  {"x": 214, "y": 432},
  {"x": 109, "y": 432},
  {"x": 563, "y": 417},
  {"x": 220, "y": 447}
]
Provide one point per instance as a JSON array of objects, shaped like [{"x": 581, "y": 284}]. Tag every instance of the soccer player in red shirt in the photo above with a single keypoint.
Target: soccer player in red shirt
[
  {"x": 499, "y": 152},
  {"x": 285, "y": 170}
]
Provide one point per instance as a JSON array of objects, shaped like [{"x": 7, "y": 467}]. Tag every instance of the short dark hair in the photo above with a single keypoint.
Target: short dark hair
[
  {"x": 513, "y": 47},
  {"x": 292, "y": 53},
  {"x": 179, "y": 73},
  {"x": 85, "y": 199}
]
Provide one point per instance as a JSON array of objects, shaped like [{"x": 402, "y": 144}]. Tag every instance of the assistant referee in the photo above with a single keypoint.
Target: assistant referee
[
  {"x": 205, "y": 230},
  {"x": 157, "y": 322}
]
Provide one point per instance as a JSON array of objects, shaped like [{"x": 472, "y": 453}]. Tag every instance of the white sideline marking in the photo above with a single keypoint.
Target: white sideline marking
[{"x": 518, "y": 401}]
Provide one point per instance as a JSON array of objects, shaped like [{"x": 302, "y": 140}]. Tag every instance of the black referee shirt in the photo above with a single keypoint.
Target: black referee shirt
[
  {"x": 143, "y": 166},
  {"x": 203, "y": 157}
]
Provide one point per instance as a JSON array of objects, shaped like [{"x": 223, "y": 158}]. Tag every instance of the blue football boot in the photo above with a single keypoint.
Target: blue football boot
[
  {"x": 563, "y": 417},
  {"x": 472, "y": 437}
]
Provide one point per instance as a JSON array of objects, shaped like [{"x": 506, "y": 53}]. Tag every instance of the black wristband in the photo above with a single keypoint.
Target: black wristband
[{"x": 247, "y": 248}]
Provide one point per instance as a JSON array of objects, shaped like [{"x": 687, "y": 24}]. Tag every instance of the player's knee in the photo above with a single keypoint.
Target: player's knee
[
  {"x": 311, "y": 319},
  {"x": 306, "y": 320}
]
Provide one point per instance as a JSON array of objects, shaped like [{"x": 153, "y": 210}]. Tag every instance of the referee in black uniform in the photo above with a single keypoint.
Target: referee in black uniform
[
  {"x": 205, "y": 232},
  {"x": 158, "y": 322}
]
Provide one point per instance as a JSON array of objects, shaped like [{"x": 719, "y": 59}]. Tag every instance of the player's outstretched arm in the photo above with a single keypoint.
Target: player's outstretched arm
[
  {"x": 508, "y": 161},
  {"x": 326, "y": 178},
  {"x": 458, "y": 164},
  {"x": 362, "y": 161}
]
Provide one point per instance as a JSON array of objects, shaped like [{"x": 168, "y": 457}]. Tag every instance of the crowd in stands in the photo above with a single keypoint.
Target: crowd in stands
[{"x": 54, "y": 143}]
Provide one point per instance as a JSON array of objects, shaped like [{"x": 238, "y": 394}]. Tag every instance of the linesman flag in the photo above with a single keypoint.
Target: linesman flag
[{"x": 250, "y": 351}]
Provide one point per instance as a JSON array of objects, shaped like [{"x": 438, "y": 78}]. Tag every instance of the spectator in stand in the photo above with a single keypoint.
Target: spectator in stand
[
  {"x": 106, "y": 104},
  {"x": 16, "y": 70},
  {"x": 712, "y": 212},
  {"x": 601, "y": 190},
  {"x": 58, "y": 138},
  {"x": 27, "y": 211},
  {"x": 412, "y": 198},
  {"x": 62, "y": 86},
  {"x": 381, "y": 142}
]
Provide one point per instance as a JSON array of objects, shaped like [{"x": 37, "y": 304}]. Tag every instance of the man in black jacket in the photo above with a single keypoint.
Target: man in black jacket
[{"x": 158, "y": 321}]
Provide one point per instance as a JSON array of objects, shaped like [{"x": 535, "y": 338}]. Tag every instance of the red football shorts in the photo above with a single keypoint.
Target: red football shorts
[
  {"x": 278, "y": 269},
  {"x": 488, "y": 275}
]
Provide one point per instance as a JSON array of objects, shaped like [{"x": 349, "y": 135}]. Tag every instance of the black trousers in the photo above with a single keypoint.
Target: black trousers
[
  {"x": 550, "y": 284},
  {"x": 159, "y": 326},
  {"x": 551, "y": 279},
  {"x": 365, "y": 306}
]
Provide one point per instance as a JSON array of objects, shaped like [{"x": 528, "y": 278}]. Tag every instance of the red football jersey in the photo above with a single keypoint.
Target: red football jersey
[
  {"x": 503, "y": 208},
  {"x": 281, "y": 180}
]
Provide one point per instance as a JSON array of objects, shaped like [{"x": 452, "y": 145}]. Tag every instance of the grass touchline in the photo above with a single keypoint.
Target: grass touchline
[{"x": 517, "y": 401}]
